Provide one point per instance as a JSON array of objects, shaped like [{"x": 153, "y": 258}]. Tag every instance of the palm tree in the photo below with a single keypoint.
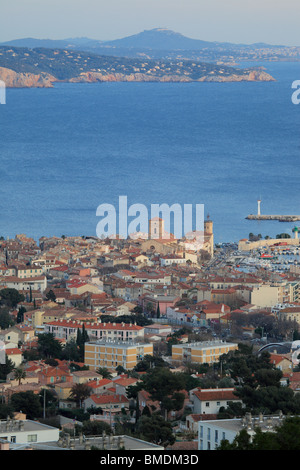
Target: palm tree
[
  {"x": 19, "y": 374},
  {"x": 80, "y": 392}
]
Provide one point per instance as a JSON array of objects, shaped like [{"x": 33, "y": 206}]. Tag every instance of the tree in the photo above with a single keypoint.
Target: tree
[
  {"x": 284, "y": 437},
  {"x": 5, "y": 411},
  {"x": 81, "y": 339},
  {"x": 242, "y": 441},
  {"x": 11, "y": 297},
  {"x": 95, "y": 428},
  {"x": 28, "y": 403},
  {"x": 80, "y": 392},
  {"x": 155, "y": 429},
  {"x": 85, "y": 336},
  {"x": 162, "y": 384},
  {"x": 149, "y": 362},
  {"x": 268, "y": 377},
  {"x": 6, "y": 368},
  {"x": 6, "y": 320},
  {"x": 48, "y": 346},
  {"x": 158, "y": 311},
  {"x": 120, "y": 370},
  {"x": 51, "y": 296},
  {"x": 269, "y": 399},
  {"x": 20, "y": 316},
  {"x": 71, "y": 351},
  {"x": 104, "y": 372},
  {"x": 233, "y": 410},
  {"x": 19, "y": 374}
]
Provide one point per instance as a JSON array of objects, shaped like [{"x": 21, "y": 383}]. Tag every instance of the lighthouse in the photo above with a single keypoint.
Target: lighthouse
[
  {"x": 258, "y": 206},
  {"x": 295, "y": 230}
]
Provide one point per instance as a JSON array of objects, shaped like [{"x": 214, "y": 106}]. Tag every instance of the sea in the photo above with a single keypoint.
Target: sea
[{"x": 68, "y": 149}]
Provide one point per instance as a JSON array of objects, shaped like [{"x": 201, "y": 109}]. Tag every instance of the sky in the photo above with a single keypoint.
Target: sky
[{"x": 237, "y": 21}]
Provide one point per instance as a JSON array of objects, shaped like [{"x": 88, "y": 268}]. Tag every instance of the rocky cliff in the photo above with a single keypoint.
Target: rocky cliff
[
  {"x": 93, "y": 77},
  {"x": 14, "y": 79}
]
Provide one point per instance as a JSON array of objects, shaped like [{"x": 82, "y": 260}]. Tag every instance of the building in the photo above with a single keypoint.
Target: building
[
  {"x": 15, "y": 355},
  {"x": 28, "y": 271},
  {"x": 38, "y": 283},
  {"x": 212, "y": 432},
  {"x": 157, "y": 329},
  {"x": 202, "y": 352},
  {"x": 27, "y": 432},
  {"x": 165, "y": 302},
  {"x": 113, "y": 404},
  {"x": 67, "y": 329},
  {"x": 168, "y": 260},
  {"x": 85, "y": 376},
  {"x": 209, "y": 401},
  {"x": 289, "y": 314},
  {"x": 110, "y": 354},
  {"x": 157, "y": 228},
  {"x": 52, "y": 375},
  {"x": 106, "y": 442},
  {"x": 268, "y": 295}
]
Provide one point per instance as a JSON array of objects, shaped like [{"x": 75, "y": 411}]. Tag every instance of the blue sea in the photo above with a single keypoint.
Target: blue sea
[{"x": 66, "y": 150}]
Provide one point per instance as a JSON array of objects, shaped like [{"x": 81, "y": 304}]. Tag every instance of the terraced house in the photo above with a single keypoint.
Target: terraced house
[{"x": 67, "y": 329}]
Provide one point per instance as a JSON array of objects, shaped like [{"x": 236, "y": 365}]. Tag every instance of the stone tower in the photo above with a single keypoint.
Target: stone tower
[{"x": 156, "y": 228}]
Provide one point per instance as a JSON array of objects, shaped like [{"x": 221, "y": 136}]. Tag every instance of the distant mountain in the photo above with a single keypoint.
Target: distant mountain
[
  {"x": 31, "y": 43},
  {"x": 160, "y": 38},
  {"x": 164, "y": 44},
  {"x": 157, "y": 38}
]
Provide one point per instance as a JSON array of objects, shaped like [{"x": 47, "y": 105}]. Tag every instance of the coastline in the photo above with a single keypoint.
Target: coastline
[{"x": 14, "y": 79}]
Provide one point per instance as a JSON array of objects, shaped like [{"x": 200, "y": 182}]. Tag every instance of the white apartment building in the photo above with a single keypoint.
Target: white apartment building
[{"x": 212, "y": 432}]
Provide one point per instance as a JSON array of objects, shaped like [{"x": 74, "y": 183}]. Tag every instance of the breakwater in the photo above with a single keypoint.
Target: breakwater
[{"x": 281, "y": 218}]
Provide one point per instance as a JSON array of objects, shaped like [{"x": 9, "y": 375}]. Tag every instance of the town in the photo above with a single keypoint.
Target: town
[{"x": 148, "y": 343}]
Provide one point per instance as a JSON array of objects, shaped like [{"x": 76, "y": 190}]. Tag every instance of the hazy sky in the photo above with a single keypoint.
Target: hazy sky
[{"x": 244, "y": 21}]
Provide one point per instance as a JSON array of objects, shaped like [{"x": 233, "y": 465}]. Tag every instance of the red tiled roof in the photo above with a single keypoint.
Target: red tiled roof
[
  {"x": 99, "y": 383},
  {"x": 11, "y": 351},
  {"x": 216, "y": 394},
  {"x": 103, "y": 399},
  {"x": 95, "y": 326}
]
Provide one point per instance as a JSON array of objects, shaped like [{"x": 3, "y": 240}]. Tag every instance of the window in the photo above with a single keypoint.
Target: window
[
  {"x": 207, "y": 404},
  {"x": 32, "y": 438}
]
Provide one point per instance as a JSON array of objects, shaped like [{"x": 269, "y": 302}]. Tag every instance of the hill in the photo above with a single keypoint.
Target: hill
[
  {"x": 162, "y": 43},
  {"x": 160, "y": 38},
  {"x": 78, "y": 66}
]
